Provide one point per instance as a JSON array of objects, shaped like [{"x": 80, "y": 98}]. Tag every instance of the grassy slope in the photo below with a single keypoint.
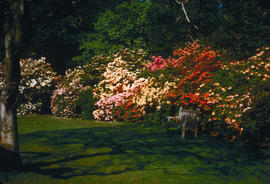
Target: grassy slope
[{"x": 76, "y": 151}]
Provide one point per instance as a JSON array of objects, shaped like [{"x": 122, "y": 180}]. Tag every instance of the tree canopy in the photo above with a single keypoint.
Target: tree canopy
[{"x": 64, "y": 29}]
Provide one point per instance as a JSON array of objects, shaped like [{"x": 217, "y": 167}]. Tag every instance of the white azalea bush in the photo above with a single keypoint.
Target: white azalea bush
[
  {"x": 153, "y": 93},
  {"x": 36, "y": 85},
  {"x": 128, "y": 92},
  {"x": 118, "y": 85}
]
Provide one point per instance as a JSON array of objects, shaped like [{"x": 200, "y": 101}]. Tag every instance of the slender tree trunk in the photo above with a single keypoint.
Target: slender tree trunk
[{"x": 9, "y": 95}]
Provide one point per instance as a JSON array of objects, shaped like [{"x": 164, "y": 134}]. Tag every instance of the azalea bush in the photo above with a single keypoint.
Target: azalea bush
[
  {"x": 194, "y": 66},
  {"x": 128, "y": 87},
  {"x": 68, "y": 89},
  {"x": 175, "y": 82},
  {"x": 118, "y": 86},
  {"x": 94, "y": 70},
  {"x": 235, "y": 93},
  {"x": 36, "y": 86},
  {"x": 230, "y": 95},
  {"x": 73, "y": 96},
  {"x": 132, "y": 95},
  {"x": 147, "y": 99}
]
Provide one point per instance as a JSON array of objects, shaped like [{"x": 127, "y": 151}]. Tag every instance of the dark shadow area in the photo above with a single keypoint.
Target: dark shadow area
[
  {"x": 9, "y": 160},
  {"x": 131, "y": 148}
]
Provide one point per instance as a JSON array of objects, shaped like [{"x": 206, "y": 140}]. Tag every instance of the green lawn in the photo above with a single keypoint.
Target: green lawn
[{"x": 78, "y": 151}]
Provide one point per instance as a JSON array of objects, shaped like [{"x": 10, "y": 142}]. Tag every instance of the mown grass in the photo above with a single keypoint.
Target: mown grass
[{"x": 84, "y": 152}]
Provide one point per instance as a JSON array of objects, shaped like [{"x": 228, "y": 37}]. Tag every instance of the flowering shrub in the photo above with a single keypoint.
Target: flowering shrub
[
  {"x": 35, "y": 87},
  {"x": 94, "y": 70},
  {"x": 147, "y": 98},
  {"x": 167, "y": 81},
  {"x": 70, "y": 97},
  {"x": 230, "y": 95},
  {"x": 129, "y": 94},
  {"x": 190, "y": 69},
  {"x": 157, "y": 64},
  {"x": 234, "y": 92},
  {"x": 118, "y": 84},
  {"x": 68, "y": 89}
]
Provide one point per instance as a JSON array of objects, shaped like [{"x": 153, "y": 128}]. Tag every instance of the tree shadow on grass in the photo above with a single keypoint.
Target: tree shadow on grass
[{"x": 115, "y": 150}]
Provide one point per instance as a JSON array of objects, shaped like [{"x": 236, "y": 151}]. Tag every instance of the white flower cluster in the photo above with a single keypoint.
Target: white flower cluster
[
  {"x": 35, "y": 85},
  {"x": 152, "y": 92},
  {"x": 36, "y": 74},
  {"x": 29, "y": 108}
]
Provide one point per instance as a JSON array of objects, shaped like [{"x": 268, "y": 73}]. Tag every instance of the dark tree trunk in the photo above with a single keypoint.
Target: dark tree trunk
[{"x": 9, "y": 152}]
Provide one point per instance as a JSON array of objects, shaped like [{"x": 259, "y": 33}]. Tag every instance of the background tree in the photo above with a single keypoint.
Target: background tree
[
  {"x": 58, "y": 26},
  {"x": 115, "y": 29},
  {"x": 236, "y": 27}
]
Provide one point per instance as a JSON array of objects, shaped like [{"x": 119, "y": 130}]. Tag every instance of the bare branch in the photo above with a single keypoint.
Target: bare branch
[
  {"x": 184, "y": 10},
  {"x": 182, "y": 1}
]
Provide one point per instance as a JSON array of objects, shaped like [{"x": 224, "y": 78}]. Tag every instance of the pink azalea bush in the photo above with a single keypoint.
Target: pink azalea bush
[
  {"x": 64, "y": 98},
  {"x": 157, "y": 64},
  {"x": 79, "y": 82}
]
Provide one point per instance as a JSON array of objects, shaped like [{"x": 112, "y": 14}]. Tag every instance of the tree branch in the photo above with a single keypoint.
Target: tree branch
[{"x": 184, "y": 10}]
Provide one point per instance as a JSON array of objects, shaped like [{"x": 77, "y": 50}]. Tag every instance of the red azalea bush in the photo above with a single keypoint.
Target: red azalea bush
[
  {"x": 190, "y": 68},
  {"x": 195, "y": 66},
  {"x": 232, "y": 95}
]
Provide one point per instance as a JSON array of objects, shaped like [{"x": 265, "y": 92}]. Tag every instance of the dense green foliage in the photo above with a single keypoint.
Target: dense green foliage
[
  {"x": 115, "y": 30},
  {"x": 258, "y": 119},
  {"x": 57, "y": 29},
  {"x": 242, "y": 26},
  {"x": 237, "y": 28},
  {"x": 86, "y": 103},
  {"x": 54, "y": 28}
]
